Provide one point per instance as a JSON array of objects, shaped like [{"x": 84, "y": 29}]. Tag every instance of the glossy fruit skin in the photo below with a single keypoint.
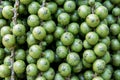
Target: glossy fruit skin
[
  {"x": 117, "y": 74},
  {"x": 30, "y": 59},
  {"x": 31, "y": 70},
  {"x": 67, "y": 38},
  {"x": 73, "y": 28},
  {"x": 107, "y": 57},
  {"x": 89, "y": 56},
  {"x": 4, "y": 71},
  {"x": 84, "y": 28},
  {"x": 33, "y": 20},
  {"x": 33, "y": 7},
  {"x": 8, "y": 40},
  {"x": 116, "y": 11},
  {"x": 69, "y": 6},
  {"x": 86, "y": 64},
  {"x": 19, "y": 66},
  {"x": 102, "y": 30},
  {"x": 115, "y": 29},
  {"x": 20, "y": 54},
  {"x": 49, "y": 26},
  {"x": 102, "y": 12},
  {"x": 58, "y": 77},
  {"x": 39, "y": 33},
  {"x": 44, "y": 13},
  {"x": 86, "y": 45},
  {"x": 73, "y": 59},
  {"x": 111, "y": 19},
  {"x": 7, "y": 61},
  {"x": 3, "y": 22},
  {"x": 49, "y": 54},
  {"x": 88, "y": 75},
  {"x": 77, "y": 45},
  {"x": 98, "y": 78},
  {"x": 5, "y": 30},
  {"x": 49, "y": 74},
  {"x": 35, "y": 51},
  {"x": 74, "y": 17},
  {"x": 31, "y": 40},
  {"x": 99, "y": 66},
  {"x": 43, "y": 64},
  {"x": 107, "y": 74},
  {"x": 26, "y": 2},
  {"x": 19, "y": 30},
  {"x": 92, "y": 38},
  {"x": 92, "y": 20},
  {"x": 100, "y": 49},
  {"x": 58, "y": 32},
  {"x": 7, "y": 12},
  {"x": 78, "y": 68},
  {"x": 74, "y": 78},
  {"x": 84, "y": 11},
  {"x": 108, "y": 5},
  {"x": 115, "y": 60},
  {"x": 63, "y": 19},
  {"x": 40, "y": 78},
  {"x": 52, "y": 6},
  {"x": 115, "y": 44},
  {"x": 62, "y": 51},
  {"x": 21, "y": 9},
  {"x": 64, "y": 69}
]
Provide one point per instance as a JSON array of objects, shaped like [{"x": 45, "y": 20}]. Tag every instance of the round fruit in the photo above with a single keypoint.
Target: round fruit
[
  {"x": 115, "y": 45},
  {"x": 4, "y": 71},
  {"x": 116, "y": 11},
  {"x": 77, "y": 68},
  {"x": 99, "y": 66},
  {"x": 7, "y": 12},
  {"x": 69, "y": 6},
  {"x": 92, "y": 20},
  {"x": 58, "y": 32},
  {"x": 52, "y": 6},
  {"x": 73, "y": 58},
  {"x": 39, "y": 33},
  {"x": 26, "y": 2},
  {"x": 3, "y": 22},
  {"x": 84, "y": 11},
  {"x": 8, "y": 40},
  {"x": 92, "y": 38},
  {"x": 44, "y": 13},
  {"x": 67, "y": 38},
  {"x": 64, "y": 69},
  {"x": 63, "y": 19},
  {"x": 43, "y": 64},
  {"x": 115, "y": 60},
  {"x": 5, "y": 30},
  {"x": 89, "y": 56},
  {"x": 20, "y": 54},
  {"x": 102, "y": 12},
  {"x": 19, "y": 30},
  {"x": 19, "y": 66},
  {"x": 35, "y": 51},
  {"x": 117, "y": 74},
  {"x": 33, "y": 21},
  {"x": 88, "y": 75},
  {"x": 107, "y": 74},
  {"x": 98, "y": 78},
  {"x": 115, "y": 29},
  {"x": 58, "y": 77}
]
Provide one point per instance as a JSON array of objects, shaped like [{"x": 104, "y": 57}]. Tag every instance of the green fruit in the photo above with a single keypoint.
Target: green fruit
[
  {"x": 107, "y": 74},
  {"x": 2, "y": 53},
  {"x": 92, "y": 20},
  {"x": 39, "y": 33},
  {"x": 44, "y": 13},
  {"x": 116, "y": 74},
  {"x": 49, "y": 54},
  {"x": 7, "y": 12},
  {"x": 92, "y": 38},
  {"x": 107, "y": 57},
  {"x": 89, "y": 56},
  {"x": 31, "y": 70},
  {"x": 91, "y": 2},
  {"x": 115, "y": 1},
  {"x": 102, "y": 12},
  {"x": 3, "y": 22},
  {"x": 108, "y": 5},
  {"x": 73, "y": 28},
  {"x": 31, "y": 40},
  {"x": 33, "y": 7},
  {"x": 86, "y": 64},
  {"x": 52, "y": 6},
  {"x": 7, "y": 61},
  {"x": 4, "y": 71},
  {"x": 84, "y": 11},
  {"x": 58, "y": 32},
  {"x": 100, "y": 49},
  {"x": 21, "y": 9},
  {"x": 49, "y": 38},
  {"x": 86, "y": 45},
  {"x": 30, "y": 59},
  {"x": 111, "y": 19},
  {"x": 59, "y": 11},
  {"x": 67, "y": 38},
  {"x": 43, "y": 64},
  {"x": 78, "y": 68},
  {"x": 88, "y": 75},
  {"x": 84, "y": 28},
  {"x": 102, "y": 30},
  {"x": 19, "y": 66},
  {"x": 64, "y": 69},
  {"x": 74, "y": 17},
  {"x": 49, "y": 74},
  {"x": 5, "y": 30},
  {"x": 8, "y": 40},
  {"x": 106, "y": 41},
  {"x": 115, "y": 29},
  {"x": 98, "y": 78},
  {"x": 40, "y": 78},
  {"x": 35, "y": 51},
  {"x": 99, "y": 66},
  {"x": 21, "y": 39},
  {"x": 26, "y": 2},
  {"x": 62, "y": 51},
  {"x": 58, "y": 77},
  {"x": 20, "y": 54},
  {"x": 33, "y": 20},
  {"x": 69, "y": 6},
  {"x": 73, "y": 58},
  {"x": 60, "y": 2},
  {"x": 115, "y": 45},
  {"x": 77, "y": 45},
  {"x": 63, "y": 19},
  {"x": 19, "y": 30},
  {"x": 49, "y": 26},
  {"x": 115, "y": 60},
  {"x": 116, "y": 11}
]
